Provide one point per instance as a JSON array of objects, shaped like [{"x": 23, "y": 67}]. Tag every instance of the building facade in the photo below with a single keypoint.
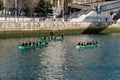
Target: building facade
[{"x": 57, "y": 3}]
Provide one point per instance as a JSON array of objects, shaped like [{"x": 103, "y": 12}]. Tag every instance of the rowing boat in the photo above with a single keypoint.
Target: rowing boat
[
  {"x": 86, "y": 46},
  {"x": 50, "y": 40},
  {"x": 20, "y": 47}
]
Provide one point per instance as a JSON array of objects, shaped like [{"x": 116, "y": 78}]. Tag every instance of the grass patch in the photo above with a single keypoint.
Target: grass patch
[{"x": 111, "y": 30}]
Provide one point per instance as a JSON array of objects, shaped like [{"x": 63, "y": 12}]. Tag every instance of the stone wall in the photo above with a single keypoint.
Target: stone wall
[{"x": 5, "y": 26}]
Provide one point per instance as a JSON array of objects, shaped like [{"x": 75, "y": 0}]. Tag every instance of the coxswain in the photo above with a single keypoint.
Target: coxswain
[
  {"x": 97, "y": 42},
  {"x": 46, "y": 43}
]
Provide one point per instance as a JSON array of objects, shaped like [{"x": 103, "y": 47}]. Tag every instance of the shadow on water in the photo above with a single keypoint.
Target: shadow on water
[{"x": 96, "y": 28}]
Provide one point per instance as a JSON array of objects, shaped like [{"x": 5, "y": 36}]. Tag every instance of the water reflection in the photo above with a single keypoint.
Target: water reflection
[{"x": 51, "y": 63}]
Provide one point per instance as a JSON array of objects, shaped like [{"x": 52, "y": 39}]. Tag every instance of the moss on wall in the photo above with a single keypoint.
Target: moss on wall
[{"x": 38, "y": 33}]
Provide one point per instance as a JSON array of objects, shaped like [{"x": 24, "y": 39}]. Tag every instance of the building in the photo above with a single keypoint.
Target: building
[{"x": 57, "y": 3}]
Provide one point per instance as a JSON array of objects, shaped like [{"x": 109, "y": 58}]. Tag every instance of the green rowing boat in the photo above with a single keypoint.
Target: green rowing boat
[
  {"x": 20, "y": 47},
  {"x": 86, "y": 46},
  {"x": 50, "y": 40}
]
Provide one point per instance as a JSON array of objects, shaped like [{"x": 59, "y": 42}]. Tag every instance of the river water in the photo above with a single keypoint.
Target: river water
[{"x": 60, "y": 60}]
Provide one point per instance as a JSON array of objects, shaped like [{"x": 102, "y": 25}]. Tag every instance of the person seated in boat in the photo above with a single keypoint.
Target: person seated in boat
[
  {"x": 84, "y": 43},
  {"x": 33, "y": 44},
  {"x": 93, "y": 43},
  {"x": 51, "y": 37},
  {"x": 44, "y": 38},
  {"x": 88, "y": 43},
  {"x": 46, "y": 42},
  {"x": 22, "y": 44},
  {"x": 96, "y": 42},
  {"x": 29, "y": 43},
  {"x": 48, "y": 38},
  {"x": 41, "y": 38},
  {"x": 40, "y": 43},
  {"x": 79, "y": 43},
  {"x": 36, "y": 44},
  {"x": 54, "y": 37},
  {"x": 51, "y": 33},
  {"x": 62, "y": 35},
  {"x": 26, "y": 44}
]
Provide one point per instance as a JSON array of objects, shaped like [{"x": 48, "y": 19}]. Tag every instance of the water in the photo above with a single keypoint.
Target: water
[{"x": 60, "y": 60}]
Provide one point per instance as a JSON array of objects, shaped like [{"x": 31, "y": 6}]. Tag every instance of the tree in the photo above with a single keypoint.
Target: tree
[
  {"x": 30, "y": 5},
  {"x": 66, "y": 2},
  {"x": 43, "y": 6},
  {"x": 1, "y": 5}
]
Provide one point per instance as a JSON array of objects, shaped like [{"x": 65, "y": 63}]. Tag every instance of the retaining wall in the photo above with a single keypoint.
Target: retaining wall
[{"x": 5, "y": 26}]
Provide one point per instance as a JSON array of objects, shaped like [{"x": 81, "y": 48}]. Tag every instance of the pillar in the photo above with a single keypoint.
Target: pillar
[
  {"x": 52, "y": 2},
  {"x": 58, "y": 3}
]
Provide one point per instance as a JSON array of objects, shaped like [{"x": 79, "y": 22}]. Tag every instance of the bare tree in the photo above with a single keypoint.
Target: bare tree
[{"x": 31, "y": 4}]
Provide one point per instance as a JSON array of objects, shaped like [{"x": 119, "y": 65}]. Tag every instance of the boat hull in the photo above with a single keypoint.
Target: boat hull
[
  {"x": 20, "y": 47},
  {"x": 87, "y": 46}
]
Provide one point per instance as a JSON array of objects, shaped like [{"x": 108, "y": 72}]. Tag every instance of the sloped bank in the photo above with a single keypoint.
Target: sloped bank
[{"x": 35, "y": 29}]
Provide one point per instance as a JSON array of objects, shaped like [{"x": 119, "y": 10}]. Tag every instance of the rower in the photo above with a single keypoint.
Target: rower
[
  {"x": 54, "y": 37},
  {"x": 26, "y": 44},
  {"x": 82, "y": 43},
  {"x": 46, "y": 43},
  {"x": 40, "y": 43},
  {"x": 51, "y": 33},
  {"x": 44, "y": 38},
  {"x": 29, "y": 43},
  {"x": 79, "y": 43},
  {"x": 62, "y": 36},
  {"x": 23, "y": 44},
  {"x": 97, "y": 42}
]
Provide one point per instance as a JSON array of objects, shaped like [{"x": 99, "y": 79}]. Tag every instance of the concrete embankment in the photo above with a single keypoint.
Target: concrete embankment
[
  {"x": 6, "y": 26},
  {"x": 17, "y": 28}
]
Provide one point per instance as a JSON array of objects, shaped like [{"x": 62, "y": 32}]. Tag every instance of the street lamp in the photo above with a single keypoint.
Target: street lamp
[
  {"x": 63, "y": 11},
  {"x": 22, "y": 14},
  {"x": 5, "y": 14},
  {"x": 34, "y": 15},
  {"x": 54, "y": 13},
  {"x": 15, "y": 10},
  {"x": 9, "y": 15},
  {"x": 69, "y": 5}
]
